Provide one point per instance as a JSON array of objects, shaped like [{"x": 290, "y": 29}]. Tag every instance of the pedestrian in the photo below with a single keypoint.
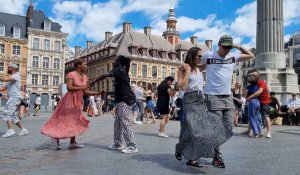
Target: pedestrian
[
  {"x": 92, "y": 107},
  {"x": 125, "y": 99},
  {"x": 99, "y": 104},
  {"x": 274, "y": 106},
  {"x": 23, "y": 110},
  {"x": 37, "y": 106},
  {"x": 139, "y": 93},
  {"x": 293, "y": 112},
  {"x": 164, "y": 91},
  {"x": 264, "y": 98},
  {"x": 10, "y": 112},
  {"x": 68, "y": 120},
  {"x": 219, "y": 69},
  {"x": 201, "y": 130},
  {"x": 236, "y": 96},
  {"x": 254, "y": 107}
]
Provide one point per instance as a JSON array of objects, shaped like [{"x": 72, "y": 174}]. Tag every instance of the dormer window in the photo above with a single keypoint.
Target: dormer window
[
  {"x": 17, "y": 32},
  {"x": 2, "y": 30},
  {"x": 47, "y": 25}
]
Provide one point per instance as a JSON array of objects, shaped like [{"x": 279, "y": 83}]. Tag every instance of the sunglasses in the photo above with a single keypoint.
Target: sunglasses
[{"x": 227, "y": 47}]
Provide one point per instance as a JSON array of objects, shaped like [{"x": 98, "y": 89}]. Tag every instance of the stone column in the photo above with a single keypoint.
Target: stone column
[{"x": 269, "y": 37}]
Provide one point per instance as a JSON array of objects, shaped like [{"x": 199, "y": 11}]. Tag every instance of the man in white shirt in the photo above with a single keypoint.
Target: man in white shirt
[
  {"x": 219, "y": 69},
  {"x": 293, "y": 112},
  {"x": 10, "y": 111}
]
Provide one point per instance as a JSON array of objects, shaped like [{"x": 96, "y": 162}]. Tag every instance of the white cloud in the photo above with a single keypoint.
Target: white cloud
[
  {"x": 291, "y": 12},
  {"x": 155, "y": 9},
  {"x": 71, "y": 8},
  {"x": 101, "y": 18},
  {"x": 17, "y": 7},
  {"x": 245, "y": 22},
  {"x": 287, "y": 37}
]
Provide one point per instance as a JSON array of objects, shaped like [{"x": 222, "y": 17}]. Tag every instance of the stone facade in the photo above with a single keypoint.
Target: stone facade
[
  {"x": 37, "y": 45},
  {"x": 153, "y": 57},
  {"x": 13, "y": 51},
  {"x": 270, "y": 58}
]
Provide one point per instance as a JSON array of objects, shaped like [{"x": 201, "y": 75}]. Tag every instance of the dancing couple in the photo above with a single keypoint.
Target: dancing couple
[{"x": 203, "y": 131}]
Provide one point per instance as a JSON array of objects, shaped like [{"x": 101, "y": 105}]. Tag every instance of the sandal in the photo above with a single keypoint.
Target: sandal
[
  {"x": 178, "y": 156},
  {"x": 194, "y": 163}
]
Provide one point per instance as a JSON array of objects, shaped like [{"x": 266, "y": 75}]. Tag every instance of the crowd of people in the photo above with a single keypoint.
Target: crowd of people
[{"x": 207, "y": 116}]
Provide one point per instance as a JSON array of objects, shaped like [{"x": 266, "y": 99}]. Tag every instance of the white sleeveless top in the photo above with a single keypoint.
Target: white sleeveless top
[{"x": 195, "y": 82}]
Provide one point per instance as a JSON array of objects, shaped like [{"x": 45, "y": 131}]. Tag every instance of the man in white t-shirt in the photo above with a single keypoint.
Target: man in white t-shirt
[
  {"x": 37, "y": 105},
  {"x": 10, "y": 111},
  {"x": 219, "y": 69}
]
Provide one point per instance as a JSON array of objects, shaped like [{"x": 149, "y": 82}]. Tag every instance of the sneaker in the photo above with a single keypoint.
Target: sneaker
[
  {"x": 55, "y": 142},
  {"x": 162, "y": 134},
  {"x": 137, "y": 122},
  {"x": 269, "y": 135},
  {"x": 130, "y": 150},
  {"x": 8, "y": 133},
  {"x": 75, "y": 146},
  {"x": 218, "y": 162},
  {"x": 23, "y": 132},
  {"x": 116, "y": 147}
]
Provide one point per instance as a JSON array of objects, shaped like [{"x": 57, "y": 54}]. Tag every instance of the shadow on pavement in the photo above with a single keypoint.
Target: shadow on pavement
[
  {"x": 155, "y": 135},
  {"x": 168, "y": 161},
  {"x": 291, "y": 131}
]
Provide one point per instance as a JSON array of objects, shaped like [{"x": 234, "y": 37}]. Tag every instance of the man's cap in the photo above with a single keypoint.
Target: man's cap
[
  {"x": 294, "y": 93},
  {"x": 13, "y": 66},
  {"x": 226, "y": 40}
]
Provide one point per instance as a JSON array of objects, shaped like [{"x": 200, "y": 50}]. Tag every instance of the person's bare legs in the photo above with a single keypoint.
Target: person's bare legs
[
  {"x": 21, "y": 111},
  {"x": 153, "y": 117},
  {"x": 10, "y": 124},
  {"x": 269, "y": 126},
  {"x": 163, "y": 122},
  {"x": 20, "y": 125}
]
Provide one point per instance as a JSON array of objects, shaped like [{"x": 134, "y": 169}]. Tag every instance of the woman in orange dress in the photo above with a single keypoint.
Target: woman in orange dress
[{"x": 68, "y": 120}]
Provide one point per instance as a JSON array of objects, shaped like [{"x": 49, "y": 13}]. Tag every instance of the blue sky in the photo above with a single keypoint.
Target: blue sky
[{"x": 208, "y": 19}]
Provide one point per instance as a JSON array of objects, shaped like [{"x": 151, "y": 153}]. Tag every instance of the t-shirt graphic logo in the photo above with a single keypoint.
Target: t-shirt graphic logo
[{"x": 220, "y": 61}]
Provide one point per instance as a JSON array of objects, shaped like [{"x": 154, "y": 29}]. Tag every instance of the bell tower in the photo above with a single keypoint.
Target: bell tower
[{"x": 172, "y": 35}]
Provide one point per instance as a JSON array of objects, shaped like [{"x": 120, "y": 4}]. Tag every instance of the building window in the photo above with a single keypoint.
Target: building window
[
  {"x": 17, "y": 32},
  {"x": 55, "y": 80},
  {"x": 46, "y": 44},
  {"x": 133, "y": 69},
  {"x": 2, "y": 48},
  {"x": 47, "y": 25},
  {"x": 57, "y": 46},
  {"x": 164, "y": 72},
  {"x": 16, "y": 50},
  {"x": 45, "y": 79},
  {"x": 154, "y": 71},
  {"x": 108, "y": 67},
  {"x": 56, "y": 63},
  {"x": 173, "y": 72},
  {"x": 297, "y": 41},
  {"x": 2, "y": 30},
  {"x": 35, "y": 61},
  {"x": 1, "y": 66},
  {"x": 34, "y": 79},
  {"x": 36, "y": 43},
  {"x": 46, "y": 62},
  {"x": 144, "y": 71}
]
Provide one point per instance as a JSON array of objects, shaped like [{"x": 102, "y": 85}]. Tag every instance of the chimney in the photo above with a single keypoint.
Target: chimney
[
  {"x": 126, "y": 27},
  {"x": 147, "y": 30},
  {"x": 108, "y": 35},
  {"x": 194, "y": 40},
  {"x": 208, "y": 43},
  {"x": 89, "y": 44},
  {"x": 77, "y": 49}
]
